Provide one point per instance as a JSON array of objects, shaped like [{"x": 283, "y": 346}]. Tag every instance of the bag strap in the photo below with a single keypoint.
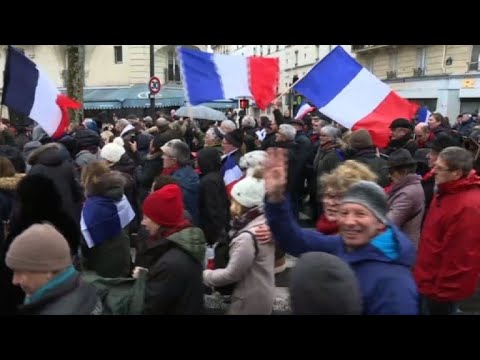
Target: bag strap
[{"x": 255, "y": 243}]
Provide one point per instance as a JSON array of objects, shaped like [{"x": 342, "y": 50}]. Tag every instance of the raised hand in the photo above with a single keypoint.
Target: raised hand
[{"x": 275, "y": 174}]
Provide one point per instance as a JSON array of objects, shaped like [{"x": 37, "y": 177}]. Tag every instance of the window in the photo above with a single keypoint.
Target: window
[
  {"x": 296, "y": 57},
  {"x": 173, "y": 68},
  {"x": 305, "y": 55},
  {"x": 254, "y": 51},
  {"x": 268, "y": 49},
  {"x": 278, "y": 47},
  {"x": 261, "y": 50},
  {"x": 473, "y": 65},
  {"x": 393, "y": 59},
  {"x": 118, "y": 52},
  {"x": 369, "y": 64},
  {"x": 422, "y": 58},
  {"x": 317, "y": 52}
]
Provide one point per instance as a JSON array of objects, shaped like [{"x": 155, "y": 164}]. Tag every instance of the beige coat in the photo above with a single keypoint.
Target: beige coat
[
  {"x": 406, "y": 202},
  {"x": 255, "y": 290}
]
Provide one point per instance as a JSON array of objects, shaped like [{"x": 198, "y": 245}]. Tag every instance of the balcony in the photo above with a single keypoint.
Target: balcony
[
  {"x": 391, "y": 75},
  {"x": 417, "y": 72},
  {"x": 363, "y": 48},
  {"x": 473, "y": 66}
]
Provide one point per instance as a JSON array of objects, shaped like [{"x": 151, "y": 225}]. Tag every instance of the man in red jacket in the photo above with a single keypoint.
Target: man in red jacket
[{"x": 448, "y": 260}]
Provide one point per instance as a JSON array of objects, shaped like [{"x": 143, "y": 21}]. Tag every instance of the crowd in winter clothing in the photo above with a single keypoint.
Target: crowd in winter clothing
[{"x": 204, "y": 207}]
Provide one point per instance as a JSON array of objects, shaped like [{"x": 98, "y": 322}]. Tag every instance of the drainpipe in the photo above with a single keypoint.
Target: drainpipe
[{"x": 444, "y": 67}]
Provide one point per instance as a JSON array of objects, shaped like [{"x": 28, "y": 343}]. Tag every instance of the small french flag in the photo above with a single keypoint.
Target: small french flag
[
  {"x": 103, "y": 219},
  {"x": 303, "y": 109},
  {"x": 29, "y": 91},
  {"x": 231, "y": 172},
  {"x": 209, "y": 77},
  {"x": 423, "y": 114}
]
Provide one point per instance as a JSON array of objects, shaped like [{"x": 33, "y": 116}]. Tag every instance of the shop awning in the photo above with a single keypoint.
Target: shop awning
[
  {"x": 102, "y": 105},
  {"x": 136, "y": 96}
]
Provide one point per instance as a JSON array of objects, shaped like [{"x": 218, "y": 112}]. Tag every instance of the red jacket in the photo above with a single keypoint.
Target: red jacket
[{"x": 448, "y": 260}]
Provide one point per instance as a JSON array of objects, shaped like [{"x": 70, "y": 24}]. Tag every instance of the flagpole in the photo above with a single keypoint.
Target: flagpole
[{"x": 295, "y": 83}]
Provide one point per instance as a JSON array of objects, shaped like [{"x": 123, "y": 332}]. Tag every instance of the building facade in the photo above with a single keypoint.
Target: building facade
[
  {"x": 445, "y": 78},
  {"x": 295, "y": 61},
  {"x": 115, "y": 75}
]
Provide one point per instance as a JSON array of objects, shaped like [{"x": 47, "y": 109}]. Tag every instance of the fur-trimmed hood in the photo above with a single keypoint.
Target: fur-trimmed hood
[
  {"x": 52, "y": 154},
  {"x": 10, "y": 183},
  {"x": 110, "y": 185}
]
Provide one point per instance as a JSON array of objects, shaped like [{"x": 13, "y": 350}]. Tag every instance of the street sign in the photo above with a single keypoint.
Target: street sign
[{"x": 154, "y": 85}]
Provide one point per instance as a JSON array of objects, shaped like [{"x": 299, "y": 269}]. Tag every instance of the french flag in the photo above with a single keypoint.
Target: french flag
[
  {"x": 209, "y": 77},
  {"x": 304, "y": 109},
  {"x": 29, "y": 91},
  {"x": 423, "y": 114},
  {"x": 345, "y": 91},
  {"x": 103, "y": 219},
  {"x": 231, "y": 172}
]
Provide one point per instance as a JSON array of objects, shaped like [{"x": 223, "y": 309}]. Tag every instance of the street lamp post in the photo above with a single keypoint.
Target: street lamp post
[{"x": 152, "y": 74}]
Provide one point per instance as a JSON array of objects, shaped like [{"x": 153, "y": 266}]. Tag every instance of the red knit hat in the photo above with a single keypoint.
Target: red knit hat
[{"x": 165, "y": 206}]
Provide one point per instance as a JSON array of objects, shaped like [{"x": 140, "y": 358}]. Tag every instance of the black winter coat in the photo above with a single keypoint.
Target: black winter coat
[
  {"x": 174, "y": 282},
  {"x": 53, "y": 161},
  {"x": 213, "y": 203}
]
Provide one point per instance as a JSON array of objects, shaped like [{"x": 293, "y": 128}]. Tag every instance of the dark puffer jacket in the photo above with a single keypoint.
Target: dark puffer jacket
[
  {"x": 213, "y": 204},
  {"x": 72, "y": 297},
  {"x": 53, "y": 161},
  {"x": 174, "y": 283}
]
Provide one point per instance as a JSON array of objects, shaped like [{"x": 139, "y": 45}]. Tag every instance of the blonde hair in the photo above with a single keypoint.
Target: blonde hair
[
  {"x": 92, "y": 171},
  {"x": 346, "y": 175}
]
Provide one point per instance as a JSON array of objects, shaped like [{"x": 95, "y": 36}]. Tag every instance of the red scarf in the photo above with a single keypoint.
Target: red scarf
[
  {"x": 326, "y": 226},
  {"x": 388, "y": 188},
  {"x": 428, "y": 175},
  {"x": 170, "y": 170},
  {"x": 172, "y": 230}
]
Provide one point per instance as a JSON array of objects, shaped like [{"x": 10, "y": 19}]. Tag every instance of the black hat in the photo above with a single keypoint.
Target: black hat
[
  {"x": 400, "y": 158},
  {"x": 421, "y": 155},
  {"x": 87, "y": 137},
  {"x": 235, "y": 138},
  {"x": 323, "y": 284},
  {"x": 443, "y": 141},
  {"x": 401, "y": 123}
]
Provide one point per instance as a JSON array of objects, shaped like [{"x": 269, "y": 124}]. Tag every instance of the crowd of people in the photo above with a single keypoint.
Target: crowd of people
[{"x": 202, "y": 207}]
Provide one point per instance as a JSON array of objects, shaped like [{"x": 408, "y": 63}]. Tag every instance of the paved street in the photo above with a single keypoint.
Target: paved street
[{"x": 281, "y": 306}]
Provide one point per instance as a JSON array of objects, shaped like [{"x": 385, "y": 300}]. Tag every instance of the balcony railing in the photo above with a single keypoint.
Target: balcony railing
[
  {"x": 417, "y": 72},
  {"x": 473, "y": 66},
  {"x": 391, "y": 75},
  {"x": 360, "y": 48}
]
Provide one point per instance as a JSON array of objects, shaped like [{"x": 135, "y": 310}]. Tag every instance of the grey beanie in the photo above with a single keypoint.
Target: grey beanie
[
  {"x": 370, "y": 195},
  {"x": 323, "y": 284}
]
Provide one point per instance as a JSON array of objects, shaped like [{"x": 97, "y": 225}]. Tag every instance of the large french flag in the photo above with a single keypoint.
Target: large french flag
[
  {"x": 29, "y": 91},
  {"x": 345, "y": 91},
  {"x": 209, "y": 77}
]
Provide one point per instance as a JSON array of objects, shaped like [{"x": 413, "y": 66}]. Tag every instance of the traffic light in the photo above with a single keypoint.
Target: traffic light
[{"x": 244, "y": 104}]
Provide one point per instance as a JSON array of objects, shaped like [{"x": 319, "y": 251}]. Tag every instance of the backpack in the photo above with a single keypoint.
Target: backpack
[
  {"x": 222, "y": 256},
  {"x": 119, "y": 296}
]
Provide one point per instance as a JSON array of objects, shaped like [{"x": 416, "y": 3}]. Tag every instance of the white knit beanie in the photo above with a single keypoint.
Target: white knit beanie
[
  {"x": 249, "y": 192},
  {"x": 253, "y": 161},
  {"x": 113, "y": 152}
]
